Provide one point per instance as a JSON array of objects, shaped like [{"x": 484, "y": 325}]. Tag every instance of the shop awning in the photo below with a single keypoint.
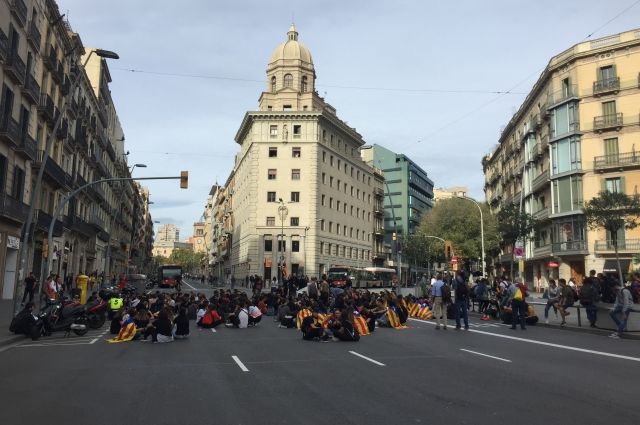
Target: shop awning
[{"x": 611, "y": 266}]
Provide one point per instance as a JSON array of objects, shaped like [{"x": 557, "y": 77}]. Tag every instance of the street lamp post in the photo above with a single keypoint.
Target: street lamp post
[
  {"x": 484, "y": 267},
  {"x": 34, "y": 199},
  {"x": 282, "y": 211}
]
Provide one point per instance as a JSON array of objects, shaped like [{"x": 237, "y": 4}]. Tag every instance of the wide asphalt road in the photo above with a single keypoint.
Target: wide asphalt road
[{"x": 266, "y": 375}]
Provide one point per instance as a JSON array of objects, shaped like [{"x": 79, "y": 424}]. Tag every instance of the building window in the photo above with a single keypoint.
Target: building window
[
  {"x": 613, "y": 185},
  {"x": 273, "y": 152},
  {"x": 268, "y": 244},
  {"x": 324, "y": 178},
  {"x": 296, "y": 152},
  {"x": 322, "y": 200},
  {"x": 324, "y": 135},
  {"x": 271, "y": 197},
  {"x": 271, "y": 221},
  {"x": 321, "y": 247},
  {"x": 3, "y": 173},
  {"x": 295, "y": 246},
  {"x": 286, "y": 107},
  {"x": 297, "y": 131},
  {"x": 295, "y": 174},
  {"x": 324, "y": 156},
  {"x": 273, "y": 84},
  {"x": 17, "y": 190},
  {"x": 271, "y": 174},
  {"x": 328, "y": 249},
  {"x": 295, "y": 196},
  {"x": 339, "y": 162},
  {"x": 331, "y": 227},
  {"x": 335, "y": 250},
  {"x": 273, "y": 131},
  {"x": 294, "y": 221},
  {"x": 330, "y": 181},
  {"x": 282, "y": 245},
  {"x": 322, "y": 225},
  {"x": 288, "y": 80},
  {"x": 331, "y": 160},
  {"x": 338, "y": 205},
  {"x": 565, "y": 120},
  {"x": 567, "y": 194},
  {"x": 344, "y": 230},
  {"x": 565, "y": 155},
  {"x": 304, "y": 84},
  {"x": 331, "y": 203}
]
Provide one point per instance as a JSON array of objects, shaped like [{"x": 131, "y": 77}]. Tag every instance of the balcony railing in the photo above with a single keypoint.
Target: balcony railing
[
  {"x": 82, "y": 226},
  {"x": 43, "y": 221},
  {"x": 606, "y": 122},
  {"x": 606, "y": 85},
  {"x": 619, "y": 160},
  {"x": 34, "y": 37},
  {"x": 540, "y": 181},
  {"x": 562, "y": 95},
  {"x": 4, "y": 46},
  {"x": 31, "y": 89},
  {"x": 58, "y": 73},
  {"x": 52, "y": 170},
  {"x": 10, "y": 131},
  {"x": 15, "y": 68},
  {"x": 13, "y": 209},
  {"x": 569, "y": 247},
  {"x": 50, "y": 59},
  {"x": 542, "y": 250},
  {"x": 19, "y": 9},
  {"x": 28, "y": 146},
  {"x": 541, "y": 214},
  {"x": 46, "y": 106},
  {"x": 625, "y": 245}
]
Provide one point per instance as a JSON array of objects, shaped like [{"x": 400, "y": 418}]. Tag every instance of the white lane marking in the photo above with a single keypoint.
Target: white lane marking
[
  {"x": 53, "y": 344},
  {"x": 185, "y": 282},
  {"x": 213, "y": 330},
  {"x": 93, "y": 341},
  {"x": 549, "y": 344},
  {"x": 486, "y": 355},
  {"x": 240, "y": 364},
  {"x": 367, "y": 358}
]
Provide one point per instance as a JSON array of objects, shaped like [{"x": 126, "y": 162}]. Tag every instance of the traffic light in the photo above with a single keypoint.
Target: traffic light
[
  {"x": 395, "y": 237},
  {"x": 184, "y": 179},
  {"x": 45, "y": 248},
  {"x": 448, "y": 249}
]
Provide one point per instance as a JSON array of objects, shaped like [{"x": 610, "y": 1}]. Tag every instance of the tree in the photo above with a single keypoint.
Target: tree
[
  {"x": 513, "y": 225},
  {"x": 189, "y": 260},
  {"x": 613, "y": 211},
  {"x": 458, "y": 220}
]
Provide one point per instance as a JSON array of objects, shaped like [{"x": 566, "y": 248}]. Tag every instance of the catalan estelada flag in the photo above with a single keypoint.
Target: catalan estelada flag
[
  {"x": 394, "y": 320},
  {"x": 305, "y": 312},
  {"x": 420, "y": 311},
  {"x": 360, "y": 324},
  {"x": 126, "y": 333}
]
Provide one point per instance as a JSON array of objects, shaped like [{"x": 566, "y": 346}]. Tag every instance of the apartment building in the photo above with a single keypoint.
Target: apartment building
[
  {"x": 302, "y": 197},
  {"x": 576, "y": 134},
  {"x": 46, "y": 86}
]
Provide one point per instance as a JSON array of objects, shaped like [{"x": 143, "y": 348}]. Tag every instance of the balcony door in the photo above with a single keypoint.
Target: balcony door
[
  {"x": 609, "y": 112},
  {"x": 611, "y": 150},
  {"x": 616, "y": 237}
]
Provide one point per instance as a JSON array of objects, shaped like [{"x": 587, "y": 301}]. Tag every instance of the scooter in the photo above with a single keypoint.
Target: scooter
[
  {"x": 96, "y": 313},
  {"x": 61, "y": 316}
]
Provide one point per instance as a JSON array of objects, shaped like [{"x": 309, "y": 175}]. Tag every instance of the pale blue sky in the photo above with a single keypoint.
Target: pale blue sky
[{"x": 174, "y": 123}]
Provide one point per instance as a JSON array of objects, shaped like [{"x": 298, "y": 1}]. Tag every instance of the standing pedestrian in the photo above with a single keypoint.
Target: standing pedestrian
[
  {"x": 589, "y": 296},
  {"x": 517, "y": 294},
  {"x": 438, "y": 295},
  {"x": 621, "y": 309},
  {"x": 566, "y": 300},
  {"x": 29, "y": 288},
  {"x": 462, "y": 300},
  {"x": 553, "y": 298}
]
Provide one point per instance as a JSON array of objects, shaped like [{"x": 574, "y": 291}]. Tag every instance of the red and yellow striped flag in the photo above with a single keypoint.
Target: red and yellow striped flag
[
  {"x": 126, "y": 333},
  {"x": 394, "y": 320},
  {"x": 305, "y": 312},
  {"x": 360, "y": 324}
]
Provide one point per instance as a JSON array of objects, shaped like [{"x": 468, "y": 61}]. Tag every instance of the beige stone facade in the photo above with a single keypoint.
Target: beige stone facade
[
  {"x": 440, "y": 193},
  {"x": 575, "y": 135},
  {"x": 298, "y": 178}
]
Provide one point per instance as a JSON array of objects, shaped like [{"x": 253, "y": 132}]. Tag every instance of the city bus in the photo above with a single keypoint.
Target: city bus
[
  {"x": 374, "y": 277},
  {"x": 341, "y": 276},
  {"x": 169, "y": 275}
]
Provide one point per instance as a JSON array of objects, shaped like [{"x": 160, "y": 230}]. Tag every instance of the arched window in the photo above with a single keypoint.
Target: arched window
[
  {"x": 288, "y": 80},
  {"x": 273, "y": 84},
  {"x": 304, "y": 84}
]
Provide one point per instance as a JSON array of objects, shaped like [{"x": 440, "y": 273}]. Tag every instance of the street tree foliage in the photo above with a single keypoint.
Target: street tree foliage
[
  {"x": 513, "y": 225},
  {"x": 188, "y": 259},
  {"x": 458, "y": 220},
  {"x": 613, "y": 212}
]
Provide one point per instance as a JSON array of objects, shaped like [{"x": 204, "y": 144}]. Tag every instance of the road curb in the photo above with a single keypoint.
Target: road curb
[{"x": 10, "y": 341}]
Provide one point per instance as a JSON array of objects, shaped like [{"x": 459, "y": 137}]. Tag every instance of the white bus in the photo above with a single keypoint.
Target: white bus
[{"x": 374, "y": 277}]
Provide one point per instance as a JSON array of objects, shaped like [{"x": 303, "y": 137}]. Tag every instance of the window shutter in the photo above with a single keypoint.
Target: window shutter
[
  {"x": 622, "y": 186},
  {"x": 614, "y": 73},
  {"x": 603, "y": 185}
]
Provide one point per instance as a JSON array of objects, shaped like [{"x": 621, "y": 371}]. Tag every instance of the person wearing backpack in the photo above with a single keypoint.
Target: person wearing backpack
[
  {"x": 517, "y": 295},
  {"x": 589, "y": 296},
  {"x": 440, "y": 297},
  {"x": 462, "y": 299},
  {"x": 566, "y": 300},
  {"x": 621, "y": 308}
]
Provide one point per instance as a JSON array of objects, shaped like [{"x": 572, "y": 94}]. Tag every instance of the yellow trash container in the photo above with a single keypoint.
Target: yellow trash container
[{"x": 81, "y": 282}]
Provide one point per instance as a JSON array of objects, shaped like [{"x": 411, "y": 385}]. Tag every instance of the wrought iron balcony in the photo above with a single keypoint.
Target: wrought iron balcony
[
  {"x": 607, "y": 85},
  {"x": 570, "y": 248},
  {"x": 80, "y": 181},
  {"x": 34, "y": 37},
  {"x": 65, "y": 86},
  {"x": 9, "y": 131},
  {"x": 15, "y": 68},
  {"x": 81, "y": 226},
  {"x": 542, "y": 250},
  {"x": 31, "y": 89},
  {"x": 607, "y": 122},
  {"x": 58, "y": 73},
  {"x": 43, "y": 221},
  {"x": 19, "y": 10},
  {"x": 63, "y": 129},
  {"x": 49, "y": 59},
  {"x": 12, "y": 208},
  {"x": 624, "y": 245},
  {"x": 28, "y": 146},
  {"x": 46, "y": 106},
  {"x": 617, "y": 161},
  {"x": 52, "y": 170},
  {"x": 4, "y": 46}
]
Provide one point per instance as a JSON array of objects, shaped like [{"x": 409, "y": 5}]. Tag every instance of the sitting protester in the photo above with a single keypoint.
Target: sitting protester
[
  {"x": 161, "y": 330},
  {"x": 255, "y": 315},
  {"x": 287, "y": 315},
  {"x": 346, "y": 331},
  {"x": 312, "y": 328},
  {"x": 210, "y": 318},
  {"x": 240, "y": 317},
  {"x": 181, "y": 324}
]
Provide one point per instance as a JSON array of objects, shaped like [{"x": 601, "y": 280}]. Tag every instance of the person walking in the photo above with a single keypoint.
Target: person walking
[
  {"x": 566, "y": 300},
  {"x": 461, "y": 291},
  {"x": 438, "y": 296},
  {"x": 482, "y": 295},
  {"x": 621, "y": 309},
  {"x": 29, "y": 288},
  {"x": 553, "y": 298},
  {"x": 589, "y": 297},
  {"x": 517, "y": 294}
]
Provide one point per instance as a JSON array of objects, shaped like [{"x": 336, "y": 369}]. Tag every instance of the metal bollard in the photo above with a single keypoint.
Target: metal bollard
[{"x": 579, "y": 317}]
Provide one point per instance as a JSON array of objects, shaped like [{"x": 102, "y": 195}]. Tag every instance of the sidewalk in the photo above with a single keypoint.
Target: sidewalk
[{"x": 6, "y": 315}]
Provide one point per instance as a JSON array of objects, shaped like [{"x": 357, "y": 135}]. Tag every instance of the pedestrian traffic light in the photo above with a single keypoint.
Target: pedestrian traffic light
[
  {"x": 395, "y": 237},
  {"x": 184, "y": 179},
  {"x": 448, "y": 249},
  {"x": 45, "y": 248}
]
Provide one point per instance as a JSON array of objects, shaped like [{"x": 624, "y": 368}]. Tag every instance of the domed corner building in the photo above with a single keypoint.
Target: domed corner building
[{"x": 299, "y": 199}]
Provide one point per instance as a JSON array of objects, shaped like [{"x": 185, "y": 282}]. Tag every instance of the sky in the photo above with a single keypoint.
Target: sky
[{"x": 435, "y": 80}]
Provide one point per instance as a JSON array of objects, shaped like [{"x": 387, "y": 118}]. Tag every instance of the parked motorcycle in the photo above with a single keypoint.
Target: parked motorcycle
[
  {"x": 96, "y": 313},
  {"x": 60, "y": 316}
]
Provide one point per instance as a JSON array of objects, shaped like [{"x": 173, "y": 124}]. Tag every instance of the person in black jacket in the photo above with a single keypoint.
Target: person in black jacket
[
  {"x": 344, "y": 330},
  {"x": 181, "y": 323}
]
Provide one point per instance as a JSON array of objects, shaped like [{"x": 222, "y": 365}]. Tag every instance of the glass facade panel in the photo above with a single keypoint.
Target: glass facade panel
[{"x": 567, "y": 194}]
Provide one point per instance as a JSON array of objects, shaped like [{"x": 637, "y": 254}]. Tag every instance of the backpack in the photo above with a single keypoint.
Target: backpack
[
  {"x": 587, "y": 293},
  {"x": 635, "y": 295},
  {"x": 462, "y": 290},
  {"x": 518, "y": 296},
  {"x": 575, "y": 294},
  {"x": 446, "y": 293}
]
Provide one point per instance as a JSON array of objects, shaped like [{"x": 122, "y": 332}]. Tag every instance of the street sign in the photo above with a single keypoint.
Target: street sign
[
  {"x": 552, "y": 264},
  {"x": 454, "y": 260},
  {"x": 519, "y": 252}
]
